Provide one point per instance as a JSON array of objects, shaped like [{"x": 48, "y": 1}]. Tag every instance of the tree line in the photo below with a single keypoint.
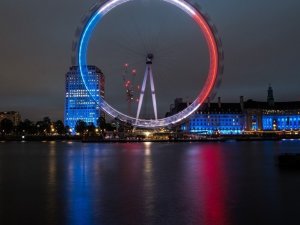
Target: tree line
[{"x": 48, "y": 127}]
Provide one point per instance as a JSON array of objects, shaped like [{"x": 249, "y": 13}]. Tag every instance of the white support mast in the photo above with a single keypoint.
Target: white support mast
[{"x": 148, "y": 72}]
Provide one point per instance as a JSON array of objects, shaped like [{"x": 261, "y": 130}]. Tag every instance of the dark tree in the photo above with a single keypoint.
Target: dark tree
[
  {"x": 101, "y": 123},
  {"x": 67, "y": 130},
  {"x": 91, "y": 129},
  {"x": 44, "y": 126},
  {"x": 47, "y": 124},
  {"x": 59, "y": 127},
  {"x": 6, "y": 126},
  {"x": 26, "y": 127},
  {"x": 80, "y": 127},
  {"x": 41, "y": 128},
  {"x": 109, "y": 127}
]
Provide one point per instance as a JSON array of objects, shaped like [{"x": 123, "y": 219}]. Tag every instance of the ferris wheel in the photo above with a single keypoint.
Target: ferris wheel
[{"x": 212, "y": 80}]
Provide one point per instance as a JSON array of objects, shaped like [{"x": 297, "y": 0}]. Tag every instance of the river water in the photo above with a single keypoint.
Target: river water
[{"x": 72, "y": 183}]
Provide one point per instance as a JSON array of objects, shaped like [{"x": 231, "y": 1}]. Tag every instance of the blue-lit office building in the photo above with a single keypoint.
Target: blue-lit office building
[{"x": 79, "y": 105}]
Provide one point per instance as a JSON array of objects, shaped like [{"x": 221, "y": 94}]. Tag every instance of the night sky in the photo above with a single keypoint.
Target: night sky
[{"x": 260, "y": 41}]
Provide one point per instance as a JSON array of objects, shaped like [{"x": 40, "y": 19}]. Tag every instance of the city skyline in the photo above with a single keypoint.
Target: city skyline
[{"x": 258, "y": 51}]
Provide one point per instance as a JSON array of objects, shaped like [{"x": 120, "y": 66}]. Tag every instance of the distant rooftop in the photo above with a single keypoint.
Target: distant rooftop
[{"x": 277, "y": 105}]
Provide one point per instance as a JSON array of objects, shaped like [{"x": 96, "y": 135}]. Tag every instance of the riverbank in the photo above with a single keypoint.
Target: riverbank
[
  {"x": 40, "y": 138},
  {"x": 98, "y": 139}
]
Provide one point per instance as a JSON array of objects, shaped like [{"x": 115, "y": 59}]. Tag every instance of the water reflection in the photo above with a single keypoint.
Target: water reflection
[
  {"x": 206, "y": 185},
  {"x": 147, "y": 146},
  {"x": 52, "y": 164},
  {"x": 52, "y": 183},
  {"x": 214, "y": 186},
  {"x": 132, "y": 186},
  {"x": 147, "y": 183},
  {"x": 79, "y": 195}
]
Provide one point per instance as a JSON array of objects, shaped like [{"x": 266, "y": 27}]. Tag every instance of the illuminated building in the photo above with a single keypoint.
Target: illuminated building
[
  {"x": 249, "y": 116},
  {"x": 79, "y": 105},
  {"x": 217, "y": 118},
  {"x": 15, "y": 117},
  {"x": 282, "y": 116},
  {"x": 271, "y": 115}
]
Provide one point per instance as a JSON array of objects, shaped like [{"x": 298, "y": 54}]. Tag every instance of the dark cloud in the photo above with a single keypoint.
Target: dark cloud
[{"x": 260, "y": 40}]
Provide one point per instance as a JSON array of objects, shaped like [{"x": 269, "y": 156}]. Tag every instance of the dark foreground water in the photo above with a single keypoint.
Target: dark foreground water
[{"x": 234, "y": 183}]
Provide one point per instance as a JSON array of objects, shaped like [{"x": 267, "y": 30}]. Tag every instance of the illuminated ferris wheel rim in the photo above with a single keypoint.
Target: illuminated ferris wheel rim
[{"x": 80, "y": 47}]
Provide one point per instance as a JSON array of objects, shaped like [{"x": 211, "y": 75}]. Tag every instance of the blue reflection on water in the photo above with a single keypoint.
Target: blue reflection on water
[
  {"x": 79, "y": 193},
  {"x": 148, "y": 183}
]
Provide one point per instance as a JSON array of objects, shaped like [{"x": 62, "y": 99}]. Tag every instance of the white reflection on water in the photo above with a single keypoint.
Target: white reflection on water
[
  {"x": 52, "y": 163},
  {"x": 148, "y": 181},
  {"x": 147, "y": 148}
]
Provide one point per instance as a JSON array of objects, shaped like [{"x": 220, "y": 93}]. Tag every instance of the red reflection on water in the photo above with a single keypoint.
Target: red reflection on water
[
  {"x": 213, "y": 186},
  {"x": 206, "y": 183}
]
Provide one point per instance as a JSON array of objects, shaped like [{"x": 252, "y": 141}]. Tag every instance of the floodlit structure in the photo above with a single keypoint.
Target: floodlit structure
[
  {"x": 79, "y": 57},
  {"x": 148, "y": 73},
  {"x": 79, "y": 105},
  {"x": 279, "y": 116},
  {"x": 216, "y": 118},
  {"x": 244, "y": 117}
]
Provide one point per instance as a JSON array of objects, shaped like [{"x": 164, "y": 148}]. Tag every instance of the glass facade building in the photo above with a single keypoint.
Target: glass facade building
[{"x": 79, "y": 103}]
